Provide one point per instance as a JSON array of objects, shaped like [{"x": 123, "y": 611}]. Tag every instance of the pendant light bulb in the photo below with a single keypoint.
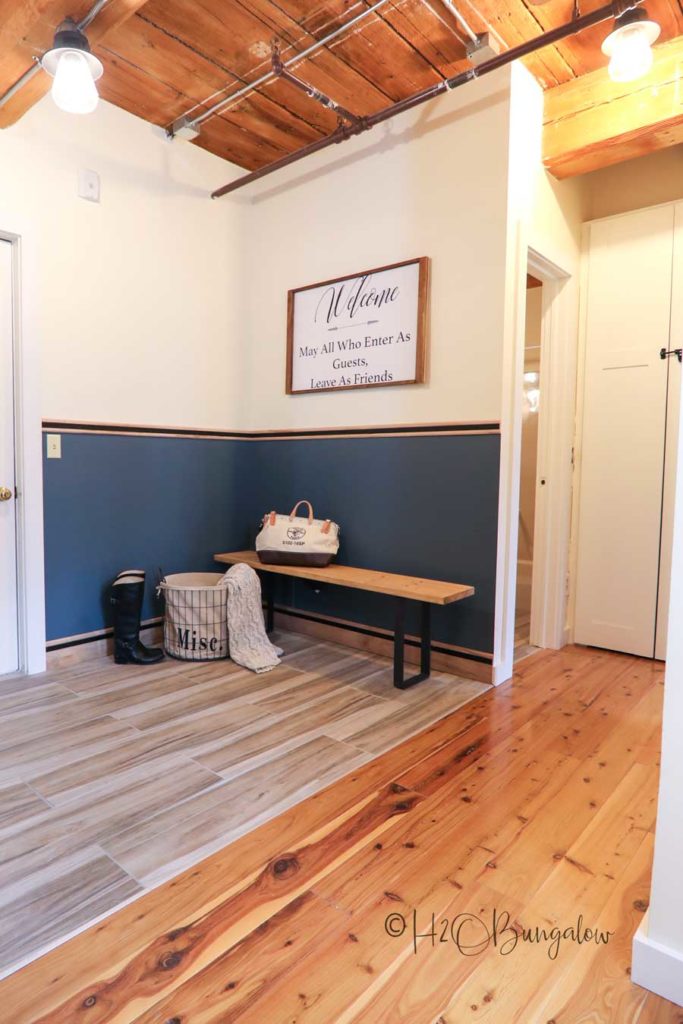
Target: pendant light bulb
[
  {"x": 629, "y": 46},
  {"x": 74, "y": 70},
  {"x": 73, "y": 89}
]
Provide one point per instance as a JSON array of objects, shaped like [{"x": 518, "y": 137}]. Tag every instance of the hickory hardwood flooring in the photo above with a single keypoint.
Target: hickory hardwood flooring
[
  {"x": 114, "y": 778},
  {"x": 536, "y": 800}
]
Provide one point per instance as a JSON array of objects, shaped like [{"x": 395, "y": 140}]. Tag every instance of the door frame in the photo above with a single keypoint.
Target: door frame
[
  {"x": 552, "y": 521},
  {"x": 28, "y": 462},
  {"x": 556, "y": 438}
]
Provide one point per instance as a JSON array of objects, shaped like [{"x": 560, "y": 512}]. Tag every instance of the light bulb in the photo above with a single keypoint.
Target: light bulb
[
  {"x": 73, "y": 88},
  {"x": 631, "y": 57},
  {"x": 629, "y": 46}
]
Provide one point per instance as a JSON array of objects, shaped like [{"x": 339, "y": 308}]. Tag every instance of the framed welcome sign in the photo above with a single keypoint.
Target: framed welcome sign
[{"x": 362, "y": 331}]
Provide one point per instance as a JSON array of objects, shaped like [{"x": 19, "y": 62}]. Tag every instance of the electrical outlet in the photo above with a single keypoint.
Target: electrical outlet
[
  {"x": 54, "y": 446},
  {"x": 89, "y": 186}
]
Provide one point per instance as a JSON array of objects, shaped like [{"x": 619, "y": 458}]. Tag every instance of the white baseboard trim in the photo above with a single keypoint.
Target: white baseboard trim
[{"x": 656, "y": 967}]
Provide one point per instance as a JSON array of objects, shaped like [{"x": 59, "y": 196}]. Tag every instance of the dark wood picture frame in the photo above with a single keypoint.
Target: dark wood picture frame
[{"x": 422, "y": 327}]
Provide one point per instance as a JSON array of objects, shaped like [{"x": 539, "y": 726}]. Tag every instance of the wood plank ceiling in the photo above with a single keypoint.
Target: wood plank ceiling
[{"x": 163, "y": 58}]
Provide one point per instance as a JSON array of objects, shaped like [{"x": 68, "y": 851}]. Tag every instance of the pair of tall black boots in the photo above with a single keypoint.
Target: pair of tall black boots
[{"x": 127, "y": 592}]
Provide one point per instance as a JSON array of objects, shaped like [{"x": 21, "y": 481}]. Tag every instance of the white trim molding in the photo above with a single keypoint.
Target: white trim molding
[
  {"x": 657, "y": 967},
  {"x": 29, "y": 468},
  {"x": 510, "y": 455},
  {"x": 555, "y": 439},
  {"x": 556, "y": 431}
]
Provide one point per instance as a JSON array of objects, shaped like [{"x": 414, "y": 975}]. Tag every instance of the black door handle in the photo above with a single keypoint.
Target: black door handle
[{"x": 678, "y": 352}]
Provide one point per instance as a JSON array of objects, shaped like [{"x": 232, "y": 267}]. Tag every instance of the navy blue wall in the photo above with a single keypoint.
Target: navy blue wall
[
  {"x": 114, "y": 502},
  {"x": 420, "y": 505},
  {"x": 425, "y": 506}
]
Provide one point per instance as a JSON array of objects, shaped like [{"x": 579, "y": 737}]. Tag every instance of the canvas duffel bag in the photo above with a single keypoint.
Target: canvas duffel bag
[{"x": 297, "y": 540}]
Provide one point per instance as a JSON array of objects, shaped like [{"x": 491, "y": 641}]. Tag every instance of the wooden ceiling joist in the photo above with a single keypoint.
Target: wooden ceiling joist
[
  {"x": 592, "y": 122},
  {"x": 166, "y": 58}
]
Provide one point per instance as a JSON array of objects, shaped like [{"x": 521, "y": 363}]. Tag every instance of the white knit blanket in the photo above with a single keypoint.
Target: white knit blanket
[{"x": 247, "y": 637}]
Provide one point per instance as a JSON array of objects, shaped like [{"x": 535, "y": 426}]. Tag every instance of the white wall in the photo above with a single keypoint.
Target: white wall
[
  {"x": 546, "y": 218},
  {"x": 658, "y": 945},
  {"x": 432, "y": 182},
  {"x": 136, "y": 302},
  {"x": 633, "y": 184}
]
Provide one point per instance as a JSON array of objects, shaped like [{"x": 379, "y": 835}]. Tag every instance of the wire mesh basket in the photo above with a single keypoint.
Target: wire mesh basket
[{"x": 196, "y": 619}]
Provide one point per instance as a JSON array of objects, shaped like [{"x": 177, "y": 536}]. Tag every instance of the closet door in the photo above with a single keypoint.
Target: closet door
[
  {"x": 673, "y": 419},
  {"x": 628, "y": 305}
]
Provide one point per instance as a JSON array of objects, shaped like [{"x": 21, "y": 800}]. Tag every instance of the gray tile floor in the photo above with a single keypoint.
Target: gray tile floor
[{"x": 114, "y": 778}]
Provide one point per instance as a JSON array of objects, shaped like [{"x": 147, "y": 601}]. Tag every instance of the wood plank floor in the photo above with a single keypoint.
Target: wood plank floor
[
  {"x": 535, "y": 801},
  {"x": 114, "y": 778}
]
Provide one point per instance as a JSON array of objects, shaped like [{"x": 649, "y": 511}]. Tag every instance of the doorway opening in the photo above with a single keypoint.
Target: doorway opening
[
  {"x": 528, "y": 484},
  {"x": 555, "y": 464}
]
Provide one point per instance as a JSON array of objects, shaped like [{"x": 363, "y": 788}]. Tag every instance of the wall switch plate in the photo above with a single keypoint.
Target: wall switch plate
[
  {"x": 54, "y": 446},
  {"x": 89, "y": 186}
]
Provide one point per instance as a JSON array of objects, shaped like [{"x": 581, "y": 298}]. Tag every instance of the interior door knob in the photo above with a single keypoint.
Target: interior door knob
[{"x": 5, "y": 494}]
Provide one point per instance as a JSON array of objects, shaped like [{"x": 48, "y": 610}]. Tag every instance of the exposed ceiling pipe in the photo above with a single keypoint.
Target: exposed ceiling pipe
[
  {"x": 188, "y": 121},
  {"x": 315, "y": 94},
  {"x": 460, "y": 18},
  {"x": 342, "y": 132},
  {"x": 35, "y": 67},
  {"x": 92, "y": 14}
]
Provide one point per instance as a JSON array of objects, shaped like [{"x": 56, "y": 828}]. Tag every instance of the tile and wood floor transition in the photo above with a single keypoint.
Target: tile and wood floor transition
[
  {"x": 537, "y": 799},
  {"x": 115, "y": 778}
]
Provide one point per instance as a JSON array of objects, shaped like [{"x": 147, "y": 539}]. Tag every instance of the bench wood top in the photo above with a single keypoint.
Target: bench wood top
[{"x": 412, "y": 587}]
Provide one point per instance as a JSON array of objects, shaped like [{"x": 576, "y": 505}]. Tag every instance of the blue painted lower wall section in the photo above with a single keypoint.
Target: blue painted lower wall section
[
  {"x": 425, "y": 506},
  {"x": 115, "y": 502}
]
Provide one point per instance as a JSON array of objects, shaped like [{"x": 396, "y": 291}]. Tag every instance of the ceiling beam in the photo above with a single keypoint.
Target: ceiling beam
[
  {"x": 592, "y": 121},
  {"x": 110, "y": 18}
]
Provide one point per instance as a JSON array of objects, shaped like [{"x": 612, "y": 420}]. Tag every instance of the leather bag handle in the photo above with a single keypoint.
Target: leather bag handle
[{"x": 310, "y": 510}]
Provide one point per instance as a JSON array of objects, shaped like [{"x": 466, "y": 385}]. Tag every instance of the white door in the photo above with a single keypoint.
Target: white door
[
  {"x": 628, "y": 308},
  {"x": 9, "y": 648},
  {"x": 673, "y": 420}
]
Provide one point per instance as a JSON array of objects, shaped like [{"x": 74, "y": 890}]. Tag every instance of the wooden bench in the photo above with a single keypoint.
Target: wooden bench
[{"x": 402, "y": 588}]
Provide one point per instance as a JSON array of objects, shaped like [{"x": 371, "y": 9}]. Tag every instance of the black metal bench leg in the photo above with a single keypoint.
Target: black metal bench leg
[
  {"x": 399, "y": 644},
  {"x": 426, "y": 638},
  {"x": 399, "y": 641}
]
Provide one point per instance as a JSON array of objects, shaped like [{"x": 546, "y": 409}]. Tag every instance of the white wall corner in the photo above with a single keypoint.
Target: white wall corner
[
  {"x": 656, "y": 967},
  {"x": 525, "y": 118},
  {"x": 658, "y": 946}
]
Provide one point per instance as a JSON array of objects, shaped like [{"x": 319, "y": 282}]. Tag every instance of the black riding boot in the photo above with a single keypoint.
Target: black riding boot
[{"x": 127, "y": 592}]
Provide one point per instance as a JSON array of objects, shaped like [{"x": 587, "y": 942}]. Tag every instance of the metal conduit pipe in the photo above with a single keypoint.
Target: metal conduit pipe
[
  {"x": 92, "y": 14},
  {"x": 460, "y": 18},
  {"x": 315, "y": 94},
  {"x": 605, "y": 13},
  {"x": 186, "y": 120},
  {"x": 36, "y": 67},
  {"x": 20, "y": 83}
]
